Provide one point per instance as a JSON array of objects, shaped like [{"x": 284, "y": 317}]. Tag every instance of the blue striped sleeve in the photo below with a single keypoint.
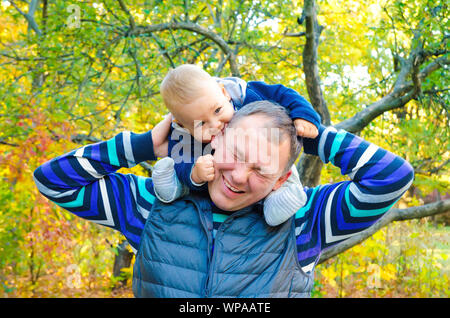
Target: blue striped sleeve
[
  {"x": 85, "y": 182},
  {"x": 296, "y": 105},
  {"x": 336, "y": 212}
]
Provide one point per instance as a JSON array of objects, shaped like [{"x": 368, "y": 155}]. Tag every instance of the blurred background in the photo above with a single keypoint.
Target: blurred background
[{"x": 76, "y": 72}]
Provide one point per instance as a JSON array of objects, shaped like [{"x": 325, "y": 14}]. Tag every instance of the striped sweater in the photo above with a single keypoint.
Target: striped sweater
[{"x": 85, "y": 182}]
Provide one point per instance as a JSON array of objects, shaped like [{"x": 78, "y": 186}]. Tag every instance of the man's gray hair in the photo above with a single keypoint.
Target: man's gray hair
[{"x": 279, "y": 119}]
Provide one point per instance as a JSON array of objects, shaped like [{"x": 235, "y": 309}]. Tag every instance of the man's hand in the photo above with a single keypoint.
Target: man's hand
[
  {"x": 305, "y": 128},
  {"x": 203, "y": 170},
  {"x": 160, "y": 135}
]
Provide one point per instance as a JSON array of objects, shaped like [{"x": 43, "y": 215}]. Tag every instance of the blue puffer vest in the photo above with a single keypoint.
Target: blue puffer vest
[{"x": 176, "y": 256}]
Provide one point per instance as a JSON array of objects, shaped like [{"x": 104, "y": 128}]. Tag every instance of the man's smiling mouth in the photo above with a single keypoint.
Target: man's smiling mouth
[{"x": 229, "y": 186}]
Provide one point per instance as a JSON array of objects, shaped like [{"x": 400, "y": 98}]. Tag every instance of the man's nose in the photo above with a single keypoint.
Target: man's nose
[{"x": 240, "y": 173}]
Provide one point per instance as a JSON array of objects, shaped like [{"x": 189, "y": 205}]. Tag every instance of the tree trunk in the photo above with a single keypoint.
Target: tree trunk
[
  {"x": 122, "y": 260},
  {"x": 309, "y": 167}
]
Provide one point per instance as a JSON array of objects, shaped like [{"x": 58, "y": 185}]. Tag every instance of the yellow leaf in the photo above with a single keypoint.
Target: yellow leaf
[{"x": 388, "y": 272}]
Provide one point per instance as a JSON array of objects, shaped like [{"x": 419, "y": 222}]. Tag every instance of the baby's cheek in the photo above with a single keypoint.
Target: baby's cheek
[{"x": 230, "y": 115}]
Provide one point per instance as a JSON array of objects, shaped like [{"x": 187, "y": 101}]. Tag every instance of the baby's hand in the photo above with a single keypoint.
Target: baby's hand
[
  {"x": 160, "y": 135},
  {"x": 305, "y": 128},
  {"x": 203, "y": 170}
]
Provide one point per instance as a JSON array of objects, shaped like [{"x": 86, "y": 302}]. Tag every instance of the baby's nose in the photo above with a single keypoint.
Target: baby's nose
[
  {"x": 215, "y": 128},
  {"x": 217, "y": 124}
]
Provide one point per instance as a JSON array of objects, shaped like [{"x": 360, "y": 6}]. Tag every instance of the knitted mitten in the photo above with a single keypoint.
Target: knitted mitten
[
  {"x": 166, "y": 184},
  {"x": 284, "y": 202}
]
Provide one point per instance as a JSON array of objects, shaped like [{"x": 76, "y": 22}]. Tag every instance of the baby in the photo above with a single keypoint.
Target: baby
[{"x": 201, "y": 106}]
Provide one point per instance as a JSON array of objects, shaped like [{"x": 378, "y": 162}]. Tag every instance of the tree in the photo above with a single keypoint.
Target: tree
[
  {"x": 81, "y": 72},
  {"x": 406, "y": 87}
]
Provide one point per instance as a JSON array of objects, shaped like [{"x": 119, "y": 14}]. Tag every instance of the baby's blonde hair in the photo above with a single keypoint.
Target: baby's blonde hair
[{"x": 183, "y": 85}]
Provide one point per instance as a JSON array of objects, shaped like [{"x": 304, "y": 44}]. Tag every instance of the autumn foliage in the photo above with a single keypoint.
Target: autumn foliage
[{"x": 86, "y": 72}]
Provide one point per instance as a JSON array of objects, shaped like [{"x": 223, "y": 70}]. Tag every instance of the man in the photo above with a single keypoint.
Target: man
[{"x": 218, "y": 245}]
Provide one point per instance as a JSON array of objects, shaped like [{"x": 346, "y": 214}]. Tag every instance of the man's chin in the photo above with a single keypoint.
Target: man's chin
[{"x": 223, "y": 204}]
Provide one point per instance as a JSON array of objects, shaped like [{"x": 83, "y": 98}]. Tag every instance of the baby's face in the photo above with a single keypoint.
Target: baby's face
[{"x": 207, "y": 115}]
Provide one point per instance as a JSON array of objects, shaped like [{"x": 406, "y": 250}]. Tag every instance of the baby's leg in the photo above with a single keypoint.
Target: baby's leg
[
  {"x": 166, "y": 184},
  {"x": 284, "y": 202}
]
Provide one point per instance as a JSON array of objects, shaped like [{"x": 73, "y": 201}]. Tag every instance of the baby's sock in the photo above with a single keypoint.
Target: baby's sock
[
  {"x": 166, "y": 184},
  {"x": 284, "y": 202}
]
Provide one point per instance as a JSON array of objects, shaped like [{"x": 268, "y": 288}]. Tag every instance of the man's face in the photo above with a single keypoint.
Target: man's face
[{"x": 248, "y": 166}]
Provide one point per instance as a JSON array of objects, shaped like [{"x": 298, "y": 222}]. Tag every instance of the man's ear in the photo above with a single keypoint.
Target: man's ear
[{"x": 281, "y": 180}]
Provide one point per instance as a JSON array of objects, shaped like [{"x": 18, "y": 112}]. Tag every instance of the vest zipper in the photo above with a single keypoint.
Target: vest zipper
[
  {"x": 209, "y": 238},
  {"x": 212, "y": 260},
  {"x": 212, "y": 263},
  {"x": 211, "y": 241},
  {"x": 212, "y": 256}
]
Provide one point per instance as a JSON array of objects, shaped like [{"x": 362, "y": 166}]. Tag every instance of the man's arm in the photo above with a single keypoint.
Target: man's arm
[
  {"x": 297, "y": 105},
  {"x": 85, "y": 182},
  {"x": 335, "y": 212}
]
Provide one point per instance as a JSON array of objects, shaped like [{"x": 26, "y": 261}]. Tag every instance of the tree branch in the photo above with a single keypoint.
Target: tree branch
[
  {"x": 364, "y": 117},
  {"x": 30, "y": 15},
  {"x": 401, "y": 94},
  {"x": 393, "y": 215},
  {"x": 3, "y": 142},
  {"x": 130, "y": 17},
  {"x": 192, "y": 27},
  {"x": 433, "y": 66},
  {"x": 432, "y": 170},
  {"x": 294, "y": 35},
  {"x": 403, "y": 90},
  {"x": 163, "y": 50}
]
